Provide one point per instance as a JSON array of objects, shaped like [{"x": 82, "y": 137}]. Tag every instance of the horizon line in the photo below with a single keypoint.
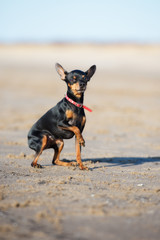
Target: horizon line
[{"x": 60, "y": 42}]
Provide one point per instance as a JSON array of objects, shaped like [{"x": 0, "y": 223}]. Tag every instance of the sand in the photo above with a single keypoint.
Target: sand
[{"x": 119, "y": 197}]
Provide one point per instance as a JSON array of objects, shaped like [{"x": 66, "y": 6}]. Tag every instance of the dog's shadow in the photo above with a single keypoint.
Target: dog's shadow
[
  {"x": 116, "y": 161},
  {"x": 122, "y": 161}
]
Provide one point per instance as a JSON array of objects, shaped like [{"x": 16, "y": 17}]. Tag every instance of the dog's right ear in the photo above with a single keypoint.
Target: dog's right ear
[{"x": 61, "y": 71}]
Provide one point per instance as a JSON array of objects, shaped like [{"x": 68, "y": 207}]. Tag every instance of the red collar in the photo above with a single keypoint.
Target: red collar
[{"x": 77, "y": 104}]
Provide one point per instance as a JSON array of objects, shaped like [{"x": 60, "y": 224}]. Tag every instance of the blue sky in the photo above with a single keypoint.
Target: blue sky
[{"x": 80, "y": 21}]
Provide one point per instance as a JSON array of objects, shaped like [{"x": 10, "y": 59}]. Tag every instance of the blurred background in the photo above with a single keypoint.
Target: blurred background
[
  {"x": 121, "y": 37},
  {"x": 51, "y": 21}
]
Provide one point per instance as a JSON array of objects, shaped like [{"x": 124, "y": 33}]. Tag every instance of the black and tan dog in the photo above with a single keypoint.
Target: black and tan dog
[{"x": 64, "y": 120}]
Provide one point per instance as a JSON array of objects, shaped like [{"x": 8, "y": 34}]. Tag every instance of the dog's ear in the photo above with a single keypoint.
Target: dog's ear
[
  {"x": 91, "y": 71},
  {"x": 61, "y": 71}
]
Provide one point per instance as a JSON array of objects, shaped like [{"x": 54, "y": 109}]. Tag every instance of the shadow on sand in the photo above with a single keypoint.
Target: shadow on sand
[
  {"x": 117, "y": 161},
  {"x": 124, "y": 161}
]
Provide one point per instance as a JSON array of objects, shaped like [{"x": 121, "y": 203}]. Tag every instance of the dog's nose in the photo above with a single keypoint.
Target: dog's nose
[{"x": 82, "y": 84}]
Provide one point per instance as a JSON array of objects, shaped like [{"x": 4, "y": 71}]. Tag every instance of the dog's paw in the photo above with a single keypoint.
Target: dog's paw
[
  {"x": 83, "y": 167},
  {"x": 82, "y": 142},
  {"x": 36, "y": 165},
  {"x": 74, "y": 164}
]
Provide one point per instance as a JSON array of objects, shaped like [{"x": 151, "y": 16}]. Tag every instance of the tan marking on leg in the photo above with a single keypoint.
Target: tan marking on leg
[
  {"x": 44, "y": 144},
  {"x": 79, "y": 142},
  {"x": 83, "y": 121},
  {"x": 58, "y": 150},
  {"x": 77, "y": 133},
  {"x": 78, "y": 156}
]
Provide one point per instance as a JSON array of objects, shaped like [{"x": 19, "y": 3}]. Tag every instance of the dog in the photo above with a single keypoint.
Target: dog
[{"x": 64, "y": 120}]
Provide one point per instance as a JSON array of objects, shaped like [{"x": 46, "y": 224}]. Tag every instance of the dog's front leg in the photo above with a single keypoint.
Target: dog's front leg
[
  {"x": 78, "y": 155},
  {"x": 76, "y": 132},
  {"x": 79, "y": 142}
]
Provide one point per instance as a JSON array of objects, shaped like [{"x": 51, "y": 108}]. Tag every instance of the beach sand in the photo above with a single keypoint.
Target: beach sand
[{"x": 119, "y": 197}]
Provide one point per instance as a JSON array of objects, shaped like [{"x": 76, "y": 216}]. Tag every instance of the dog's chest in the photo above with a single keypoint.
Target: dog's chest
[{"x": 74, "y": 119}]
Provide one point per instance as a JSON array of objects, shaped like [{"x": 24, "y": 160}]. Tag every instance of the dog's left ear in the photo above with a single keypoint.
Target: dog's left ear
[{"x": 91, "y": 71}]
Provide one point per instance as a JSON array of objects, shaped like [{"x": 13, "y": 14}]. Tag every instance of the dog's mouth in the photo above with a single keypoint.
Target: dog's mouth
[
  {"x": 81, "y": 90},
  {"x": 78, "y": 90}
]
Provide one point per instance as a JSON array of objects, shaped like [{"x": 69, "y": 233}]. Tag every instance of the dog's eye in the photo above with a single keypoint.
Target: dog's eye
[
  {"x": 84, "y": 77},
  {"x": 74, "y": 79}
]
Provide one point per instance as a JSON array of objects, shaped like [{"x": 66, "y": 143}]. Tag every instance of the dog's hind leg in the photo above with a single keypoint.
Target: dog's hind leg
[
  {"x": 58, "y": 148},
  {"x": 43, "y": 145}
]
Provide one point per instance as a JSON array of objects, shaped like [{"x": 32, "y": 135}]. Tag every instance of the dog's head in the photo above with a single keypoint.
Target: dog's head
[{"x": 76, "y": 80}]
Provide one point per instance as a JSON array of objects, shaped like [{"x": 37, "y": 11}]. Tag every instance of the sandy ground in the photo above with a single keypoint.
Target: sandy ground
[{"x": 119, "y": 197}]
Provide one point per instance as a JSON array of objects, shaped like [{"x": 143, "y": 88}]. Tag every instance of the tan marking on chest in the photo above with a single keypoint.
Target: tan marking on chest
[
  {"x": 70, "y": 114},
  {"x": 83, "y": 121}
]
